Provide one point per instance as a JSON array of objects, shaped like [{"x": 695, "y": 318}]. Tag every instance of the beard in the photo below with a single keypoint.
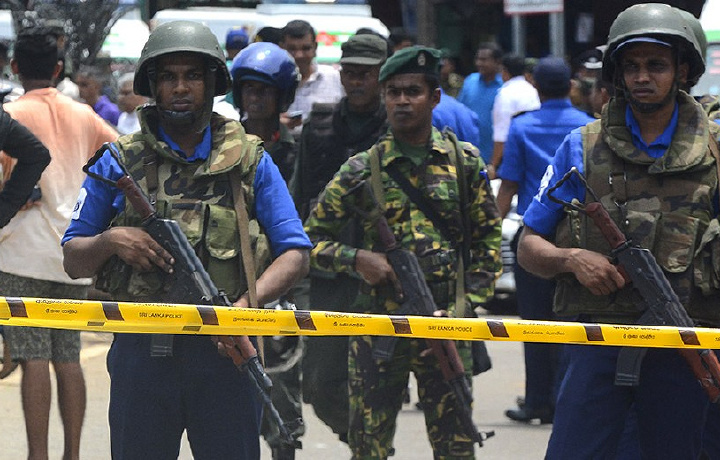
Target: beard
[{"x": 651, "y": 107}]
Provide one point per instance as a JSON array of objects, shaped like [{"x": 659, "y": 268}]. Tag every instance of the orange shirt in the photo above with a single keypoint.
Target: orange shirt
[{"x": 30, "y": 243}]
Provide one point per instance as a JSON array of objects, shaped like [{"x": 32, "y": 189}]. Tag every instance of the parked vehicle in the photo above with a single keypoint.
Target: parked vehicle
[
  {"x": 334, "y": 24},
  {"x": 504, "y": 302}
]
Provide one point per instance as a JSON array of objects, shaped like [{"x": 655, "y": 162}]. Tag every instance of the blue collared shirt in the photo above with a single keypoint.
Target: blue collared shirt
[
  {"x": 532, "y": 141},
  {"x": 99, "y": 202},
  {"x": 452, "y": 114},
  {"x": 543, "y": 215},
  {"x": 479, "y": 96}
]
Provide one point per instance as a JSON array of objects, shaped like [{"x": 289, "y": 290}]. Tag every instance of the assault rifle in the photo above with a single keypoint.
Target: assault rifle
[
  {"x": 417, "y": 300},
  {"x": 190, "y": 283},
  {"x": 664, "y": 307}
]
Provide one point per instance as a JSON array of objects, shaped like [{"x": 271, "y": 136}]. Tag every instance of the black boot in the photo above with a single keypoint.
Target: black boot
[
  {"x": 283, "y": 453},
  {"x": 526, "y": 415}
]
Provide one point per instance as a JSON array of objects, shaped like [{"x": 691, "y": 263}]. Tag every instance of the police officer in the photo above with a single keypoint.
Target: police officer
[
  {"x": 268, "y": 76},
  {"x": 188, "y": 160},
  {"x": 264, "y": 81},
  {"x": 443, "y": 243},
  {"x": 650, "y": 161},
  {"x": 533, "y": 138},
  {"x": 331, "y": 135}
]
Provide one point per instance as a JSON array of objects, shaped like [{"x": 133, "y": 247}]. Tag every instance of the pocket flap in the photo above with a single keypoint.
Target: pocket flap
[
  {"x": 676, "y": 242},
  {"x": 221, "y": 239}
]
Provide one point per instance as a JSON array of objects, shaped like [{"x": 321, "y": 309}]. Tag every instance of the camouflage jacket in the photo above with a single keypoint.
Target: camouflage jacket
[
  {"x": 346, "y": 197},
  {"x": 198, "y": 196},
  {"x": 663, "y": 204},
  {"x": 283, "y": 152}
]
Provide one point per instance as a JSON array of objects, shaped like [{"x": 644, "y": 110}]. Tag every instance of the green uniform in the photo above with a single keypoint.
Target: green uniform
[{"x": 376, "y": 389}]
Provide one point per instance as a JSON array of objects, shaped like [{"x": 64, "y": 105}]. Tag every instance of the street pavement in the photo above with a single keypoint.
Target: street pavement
[{"x": 494, "y": 392}]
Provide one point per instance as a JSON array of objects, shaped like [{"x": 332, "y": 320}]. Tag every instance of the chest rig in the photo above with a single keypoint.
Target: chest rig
[{"x": 662, "y": 204}]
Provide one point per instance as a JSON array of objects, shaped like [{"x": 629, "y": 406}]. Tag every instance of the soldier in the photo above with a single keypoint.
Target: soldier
[
  {"x": 652, "y": 161},
  {"x": 264, "y": 81},
  {"x": 444, "y": 238},
  {"x": 332, "y": 134},
  {"x": 189, "y": 160}
]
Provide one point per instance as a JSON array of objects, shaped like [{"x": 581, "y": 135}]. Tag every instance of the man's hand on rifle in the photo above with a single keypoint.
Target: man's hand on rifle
[
  {"x": 595, "y": 271},
  {"x": 375, "y": 269},
  {"x": 138, "y": 249}
]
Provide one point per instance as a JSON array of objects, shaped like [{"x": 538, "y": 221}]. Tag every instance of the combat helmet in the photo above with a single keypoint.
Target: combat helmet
[
  {"x": 267, "y": 63},
  {"x": 653, "y": 20},
  {"x": 175, "y": 37},
  {"x": 700, "y": 37}
]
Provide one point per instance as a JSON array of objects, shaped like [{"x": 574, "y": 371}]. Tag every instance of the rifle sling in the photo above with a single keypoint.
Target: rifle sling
[
  {"x": 244, "y": 228},
  {"x": 416, "y": 197}
]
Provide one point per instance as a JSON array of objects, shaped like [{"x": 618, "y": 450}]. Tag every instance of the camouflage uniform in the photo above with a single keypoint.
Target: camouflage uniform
[
  {"x": 196, "y": 380},
  {"x": 330, "y": 136},
  {"x": 191, "y": 195},
  {"x": 376, "y": 389},
  {"x": 663, "y": 210}
]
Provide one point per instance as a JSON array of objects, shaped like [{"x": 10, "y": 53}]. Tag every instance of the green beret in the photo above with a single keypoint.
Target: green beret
[{"x": 414, "y": 59}]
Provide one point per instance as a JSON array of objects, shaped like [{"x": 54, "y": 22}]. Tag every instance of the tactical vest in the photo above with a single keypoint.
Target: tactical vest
[
  {"x": 663, "y": 204},
  {"x": 198, "y": 196},
  {"x": 327, "y": 142}
]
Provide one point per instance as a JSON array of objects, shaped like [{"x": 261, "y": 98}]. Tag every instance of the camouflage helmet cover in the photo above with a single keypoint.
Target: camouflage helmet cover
[
  {"x": 181, "y": 36},
  {"x": 654, "y": 20}
]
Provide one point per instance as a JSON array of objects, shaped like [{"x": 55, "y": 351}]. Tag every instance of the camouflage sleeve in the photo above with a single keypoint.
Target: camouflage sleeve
[
  {"x": 330, "y": 215},
  {"x": 485, "y": 257}
]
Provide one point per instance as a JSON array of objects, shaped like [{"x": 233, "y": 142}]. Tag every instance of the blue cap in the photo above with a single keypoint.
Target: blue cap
[
  {"x": 236, "y": 39},
  {"x": 641, "y": 40},
  {"x": 552, "y": 75}
]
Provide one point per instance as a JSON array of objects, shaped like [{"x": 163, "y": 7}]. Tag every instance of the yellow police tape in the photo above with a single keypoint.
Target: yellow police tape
[{"x": 104, "y": 316}]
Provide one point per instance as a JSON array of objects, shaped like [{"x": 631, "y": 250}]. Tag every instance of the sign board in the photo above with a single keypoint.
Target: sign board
[{"x": 513, "y": 7}]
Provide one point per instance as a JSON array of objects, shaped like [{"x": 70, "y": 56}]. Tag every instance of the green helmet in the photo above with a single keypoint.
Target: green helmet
[
  {"x": 697, "y": 30},
  {"x": 654, "y": 20},
  {"x": 181, "y": 36}
]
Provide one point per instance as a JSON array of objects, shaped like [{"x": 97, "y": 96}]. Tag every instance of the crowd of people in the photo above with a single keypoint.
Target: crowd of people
[{"x": 300, "y": 185}]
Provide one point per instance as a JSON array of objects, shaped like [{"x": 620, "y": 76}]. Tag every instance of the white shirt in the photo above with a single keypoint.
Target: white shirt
[
  {"x": 515, "y": 95},
  {"x": 323, "y": 85},
  {"x": 128, "y": 122}
]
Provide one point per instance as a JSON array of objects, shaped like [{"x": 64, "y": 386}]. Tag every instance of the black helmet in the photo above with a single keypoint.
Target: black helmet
[
  {"x": 176, "y": 37},
  {"x": 658, "y": 21}
]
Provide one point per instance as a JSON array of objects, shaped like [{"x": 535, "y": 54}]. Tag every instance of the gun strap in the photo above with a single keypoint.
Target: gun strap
[
  {"x": 416, "y": 197},
  {"x": 150, "y": 164},
  {"x": 244, "y": 228},
  {"x": 376, "y": 179},
  {"x": 457, "y": 160}
]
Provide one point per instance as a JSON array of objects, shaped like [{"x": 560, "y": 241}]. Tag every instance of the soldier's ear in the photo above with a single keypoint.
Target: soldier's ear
[
  {"x": 435, "y": 95},
  {"x": 682, "y": 72}
]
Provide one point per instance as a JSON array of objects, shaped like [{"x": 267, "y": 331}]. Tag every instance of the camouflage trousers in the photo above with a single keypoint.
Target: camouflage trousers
[{"x": 377, "y": 391}]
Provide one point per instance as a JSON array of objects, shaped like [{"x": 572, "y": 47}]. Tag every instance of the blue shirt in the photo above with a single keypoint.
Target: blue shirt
[
  {"x": 532, "y": 142},
  {"x": 107, "y": 110},
  {"x": 479, "y": 96},
  {"x": 543, "y": 215},
  {"x": 452, "y": 114},
  {"x": 99, "y": 203}
]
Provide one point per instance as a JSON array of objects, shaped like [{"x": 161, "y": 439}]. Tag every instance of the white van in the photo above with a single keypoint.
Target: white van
[
  {"x": 710, "y": 20},
  {"x": 334, "y": 24}
]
